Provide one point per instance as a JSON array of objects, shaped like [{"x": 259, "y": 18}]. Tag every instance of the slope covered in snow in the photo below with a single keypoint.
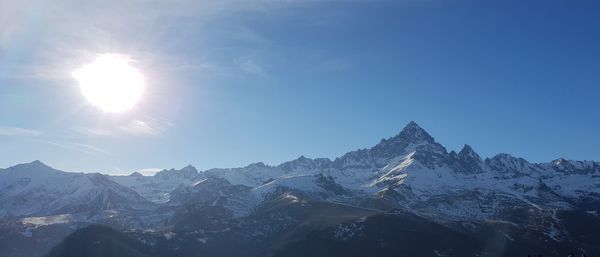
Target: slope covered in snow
[
  {"x": 158, "y": 188},
  {"x": 412, "y": 167},
  {"x": 34, "y": 189},
  {"x": 409, "y": 171}
]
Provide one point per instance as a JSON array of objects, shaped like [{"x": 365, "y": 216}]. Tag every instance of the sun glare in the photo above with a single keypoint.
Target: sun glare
[{"x": 110, "y": 83}]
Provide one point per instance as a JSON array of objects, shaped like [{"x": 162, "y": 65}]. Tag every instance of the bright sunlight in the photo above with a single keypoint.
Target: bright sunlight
[{"x": 110, "y": 83}]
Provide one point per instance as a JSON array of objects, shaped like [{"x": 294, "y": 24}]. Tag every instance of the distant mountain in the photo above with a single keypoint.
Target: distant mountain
[
  {"x": 35, "y": 189},
  {"x": 504, "y": 205},
  {"x": 157, "y": 188}
]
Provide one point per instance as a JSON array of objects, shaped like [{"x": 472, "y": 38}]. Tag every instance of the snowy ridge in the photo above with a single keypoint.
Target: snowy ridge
[
  {"x": 158, "y": 188},
  {"x": 411, "y": 169},
  {"x": 406, "y": 173},
  {"x": 36, "y": 189},
  {"x": 415, "y": 167}
]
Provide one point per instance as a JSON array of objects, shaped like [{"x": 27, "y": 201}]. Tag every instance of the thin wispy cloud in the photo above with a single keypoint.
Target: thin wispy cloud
[
  {"x": 140, "y": 127},
  {"x": 82, "y": 148},
  {"x": 91, "y": 148},
  {"x": 16, "y": 131},
  {"x": 94, "y": 131},
  {"x": 250, "y": 65},
  {"x": 80, "y": 30},
  {"x": 146, "y": 126}
]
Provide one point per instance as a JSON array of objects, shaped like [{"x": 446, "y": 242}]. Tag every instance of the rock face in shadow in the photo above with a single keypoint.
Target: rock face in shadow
[
  {"x": 291, "y": 225},
  {"x": 397, "y": 234},
  {"x": 100, "y": 241}
]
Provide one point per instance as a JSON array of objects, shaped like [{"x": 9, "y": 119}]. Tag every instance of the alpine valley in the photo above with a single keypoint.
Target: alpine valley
[{"x": 405, "y": 196}]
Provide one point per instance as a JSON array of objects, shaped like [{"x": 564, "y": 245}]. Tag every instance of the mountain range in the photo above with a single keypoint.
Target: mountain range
[{"x": 406, "y": 196}]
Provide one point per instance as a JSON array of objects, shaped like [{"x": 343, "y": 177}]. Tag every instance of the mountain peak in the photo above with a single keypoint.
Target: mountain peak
[
  {"x": 469, "y": 160},
  {"x": 34, "y": 165},
  {"x": 136, "y": 174},
  {"x": 467, "y": 152},
  {"x": 38, "y": 163},
  {"x": 559, "y": 161},
  {"x": 412, "y": 132},
  {"x": 507, "y": 162},
  {"x": 257, "y": 165},
  {"x": 412, "y": 123},
  {"x": 189, "y": 168},
  {"x": 188, "y": 171},
  {"x": 305, "y": 163},
  {"x": 409, "y": 139}
]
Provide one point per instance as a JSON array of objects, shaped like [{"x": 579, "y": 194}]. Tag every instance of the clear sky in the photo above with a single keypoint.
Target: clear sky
[{"x": 229, "y": 83}]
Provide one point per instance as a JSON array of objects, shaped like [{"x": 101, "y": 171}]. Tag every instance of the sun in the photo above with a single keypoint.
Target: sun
[{"x": 110, "y": 83}]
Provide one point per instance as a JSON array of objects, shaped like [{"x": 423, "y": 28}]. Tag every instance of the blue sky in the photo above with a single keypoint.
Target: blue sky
[{"x": 235, "y": 82}]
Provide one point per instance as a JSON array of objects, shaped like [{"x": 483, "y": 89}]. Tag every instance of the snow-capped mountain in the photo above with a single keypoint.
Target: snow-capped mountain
[
  {"x": 410, "y": 171},
  {"x": 411, "y": 166},
  {"x": 158, "y": 188},
  {"x": 35, "y": 189}
]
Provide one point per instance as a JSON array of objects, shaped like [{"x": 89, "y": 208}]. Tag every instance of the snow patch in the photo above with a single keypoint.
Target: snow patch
[
  {"x": 347, "y": 231},
  {"x": 508, "y": 237},
  {"x": 169, "y": 235},
  {"x": 47, "y": 220}
]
